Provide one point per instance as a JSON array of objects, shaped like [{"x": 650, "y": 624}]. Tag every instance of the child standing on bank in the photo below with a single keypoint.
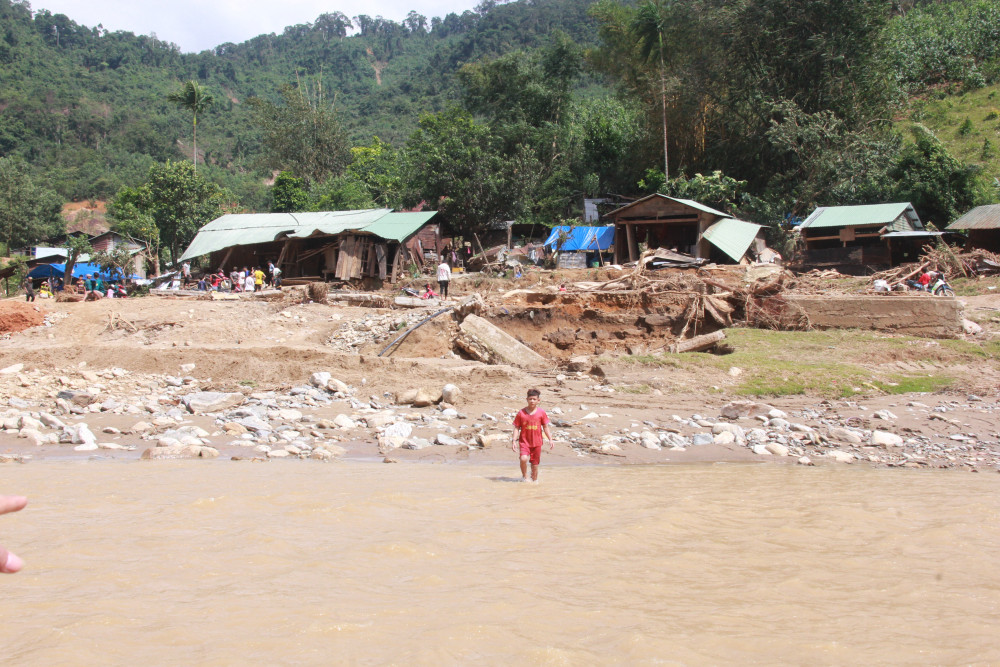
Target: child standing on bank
[{"x": 530, "y": 424}]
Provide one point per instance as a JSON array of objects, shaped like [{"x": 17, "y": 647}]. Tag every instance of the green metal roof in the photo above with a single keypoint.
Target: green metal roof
[
  {"x": 869, "y": 214},
  {"x": 239, "y": 229},
  {"x": 732, "y": 236},
  {"x": 399, "y": 226}
]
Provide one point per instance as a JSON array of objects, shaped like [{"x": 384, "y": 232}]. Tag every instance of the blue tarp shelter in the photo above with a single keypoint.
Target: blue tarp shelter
[
  {"x": 589, "y": 239},
  {"x": 59, "y": 270}
]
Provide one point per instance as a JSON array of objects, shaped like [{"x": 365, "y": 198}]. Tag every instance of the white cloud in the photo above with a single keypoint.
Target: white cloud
[{"x": 197, "y": 25}]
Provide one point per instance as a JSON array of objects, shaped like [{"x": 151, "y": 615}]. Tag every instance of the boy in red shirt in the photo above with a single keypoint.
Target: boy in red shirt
[{"x": 530, "y": 424}]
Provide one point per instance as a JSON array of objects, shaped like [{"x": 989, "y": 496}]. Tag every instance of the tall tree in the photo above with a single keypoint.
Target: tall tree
[
  {"x": 29, "y": 212},
  {"x": 178, "y": 200},
  {"x": 193, "y": 98},
  {"x": 303, "y": 135},
  {"x": 649, "y": 25}
]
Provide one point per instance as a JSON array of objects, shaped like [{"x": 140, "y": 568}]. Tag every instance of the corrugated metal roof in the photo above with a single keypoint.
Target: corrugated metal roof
[
  {"x": 857, "y": 216},
  {"x": 686, "y": 202},
  {"x": 399, "y": 226},
  {"x": 238, "y": 229},
  {"x": 981, "y": 217},
  {"x": 732, "y": 236},
  {"x": 911, "y": 234}
]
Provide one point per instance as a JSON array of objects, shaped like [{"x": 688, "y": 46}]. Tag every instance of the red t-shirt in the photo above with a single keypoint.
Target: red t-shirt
[{"x": 531, "y": 426}]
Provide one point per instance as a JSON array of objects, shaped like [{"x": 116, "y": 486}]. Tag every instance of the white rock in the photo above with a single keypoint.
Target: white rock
[
  {"x": 776, "y": 448},
  {"x": 760, "y": 450},
  {"x": 841, "y": 434},
  {"x": 775, "y": 413},
  {"x": 344, "y": 422},
  {"x": 278, "y": 454},
  {"x": 590, "y": 415},
  {"x": 86, "y": 447},
  {"x": 649, "y": 440},
  {"x": 319, "y": 379},
  {"x": 805, "y": 461},
  {"x": 885, "y": 439},
  {"x": 885, "y": 415},
  {"x": 841, "y": 457},
  {"x": 447, "y": 440},
  {"x": 398, "y": 430},
  {"x": 451, "y": 394},
  {"x": 724, "y": 438},
  {"x": 10, "y": 370}
]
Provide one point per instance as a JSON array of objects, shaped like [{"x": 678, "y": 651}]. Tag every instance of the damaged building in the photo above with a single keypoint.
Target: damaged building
[
  {"x": 659, "y": 221},
  {"x": 365, "y": 245}
]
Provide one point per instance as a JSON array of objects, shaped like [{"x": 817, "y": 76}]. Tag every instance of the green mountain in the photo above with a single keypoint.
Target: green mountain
[{"x": 88, "y": 107}]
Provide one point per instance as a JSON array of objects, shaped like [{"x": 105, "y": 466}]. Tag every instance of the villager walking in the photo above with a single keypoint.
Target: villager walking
[
  {"x": 29, "y": 290},
  {"x": 443, "y": 278}
]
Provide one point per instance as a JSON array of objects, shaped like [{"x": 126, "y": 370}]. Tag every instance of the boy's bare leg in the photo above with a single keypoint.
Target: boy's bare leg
[
  {"x": 524, "y": 467},
  {"x": 534, "y": 472}
]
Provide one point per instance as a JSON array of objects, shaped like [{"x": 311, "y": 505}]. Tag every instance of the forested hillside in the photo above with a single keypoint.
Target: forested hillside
[{"x": 512, "y": 111}]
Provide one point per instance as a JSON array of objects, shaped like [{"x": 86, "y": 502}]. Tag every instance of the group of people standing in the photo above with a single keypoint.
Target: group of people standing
[{"x": 239, "y": 280}]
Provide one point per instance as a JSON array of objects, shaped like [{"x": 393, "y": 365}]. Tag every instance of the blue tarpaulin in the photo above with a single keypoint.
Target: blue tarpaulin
[
  {"x": 59, "y": 270},
  {"x": 582, "y": 238}
]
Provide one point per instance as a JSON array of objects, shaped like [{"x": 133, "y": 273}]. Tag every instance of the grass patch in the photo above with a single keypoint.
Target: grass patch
[
  {"x": 671, "y": 360},
  {"x": 915, "y": 383},
  {"x": 633, "y": 388},
  {"x": 248, "y": 383}
]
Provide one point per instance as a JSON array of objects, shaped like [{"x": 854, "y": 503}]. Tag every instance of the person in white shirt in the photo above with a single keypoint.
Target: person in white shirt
[{"x": 443, "y": 276}]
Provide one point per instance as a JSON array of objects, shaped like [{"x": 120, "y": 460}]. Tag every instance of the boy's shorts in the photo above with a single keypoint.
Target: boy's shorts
[{"x": 534, "y": 454}]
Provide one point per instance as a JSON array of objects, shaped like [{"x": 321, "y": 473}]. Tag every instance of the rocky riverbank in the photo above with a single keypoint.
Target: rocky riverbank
[{"x": 117, "y": 413}]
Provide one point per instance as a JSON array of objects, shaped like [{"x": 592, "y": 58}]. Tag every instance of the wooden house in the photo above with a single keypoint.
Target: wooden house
[
  {"x": 982, "y": 227},
  {"x": 684, "y": 225},
  {"x": 853, "y": 238}
]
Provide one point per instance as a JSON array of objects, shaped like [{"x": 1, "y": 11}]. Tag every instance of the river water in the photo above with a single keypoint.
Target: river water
[{"x": 294, "y": 563}]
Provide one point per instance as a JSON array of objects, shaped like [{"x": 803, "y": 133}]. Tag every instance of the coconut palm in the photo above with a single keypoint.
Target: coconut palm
[{"x": 192, "y": 97}]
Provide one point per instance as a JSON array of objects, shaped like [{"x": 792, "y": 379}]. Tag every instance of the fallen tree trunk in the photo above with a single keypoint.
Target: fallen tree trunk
[{"x": 698, "y": 343}]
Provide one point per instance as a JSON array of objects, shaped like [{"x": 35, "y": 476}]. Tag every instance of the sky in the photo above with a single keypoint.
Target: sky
[{"x": 196, "y": 25}]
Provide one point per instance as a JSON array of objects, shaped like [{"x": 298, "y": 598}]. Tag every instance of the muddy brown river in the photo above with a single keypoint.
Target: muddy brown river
[{"x": 292, "y": 563}]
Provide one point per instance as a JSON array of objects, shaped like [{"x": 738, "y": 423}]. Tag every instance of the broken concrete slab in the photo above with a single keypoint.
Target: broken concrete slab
[
  {"x": 925, "y": 315},
  {"x": 490, "y": 344}
]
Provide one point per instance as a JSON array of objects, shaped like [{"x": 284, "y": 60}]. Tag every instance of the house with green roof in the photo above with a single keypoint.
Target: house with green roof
[
  {"x": 856, "y": 237},
  {"x": 684, "y": 225},
  {"x": 320, "y": 246}
]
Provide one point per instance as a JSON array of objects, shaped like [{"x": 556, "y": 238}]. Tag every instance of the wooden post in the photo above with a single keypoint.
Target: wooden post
[{"x": 633, "y": 249}]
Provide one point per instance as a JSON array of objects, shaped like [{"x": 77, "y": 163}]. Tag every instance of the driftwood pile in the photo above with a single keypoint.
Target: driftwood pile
[
  {"x": 759, "y": 305},
  {"x": 943, "y": 259}
]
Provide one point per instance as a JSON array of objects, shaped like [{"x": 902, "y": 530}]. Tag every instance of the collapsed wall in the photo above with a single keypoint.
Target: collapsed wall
[{"x": 920, "y": 315}]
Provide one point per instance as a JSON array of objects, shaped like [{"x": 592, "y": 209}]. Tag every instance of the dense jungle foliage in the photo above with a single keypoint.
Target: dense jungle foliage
[{"x": 765, "y": 108}]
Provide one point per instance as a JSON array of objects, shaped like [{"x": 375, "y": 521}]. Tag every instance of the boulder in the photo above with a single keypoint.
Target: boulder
[
  {"x": 448, "y": 441},
  {"x": 842, "y": 434},
  {"x": 344, "y": 422},
  {"x": 416, "y": 443},
  {"x": 578, "y": 365},
  {"x": 885, "y": 439},
  {"x": 212, "y": 401},
  {"x": 406, "y": 396},
  {"x": 489, "y": 344},
  {"x": 776, "y": 448},
  {"x": 649, "y": 440},
  {"x": 398, "y": 430},
  {"x": 80, "y": 398},
  {"x": 425, "y": 398},
  {"x": 494, "y": 439},
  {"x": 450, "y": 394},
  {"x": 841, "y": 457}
]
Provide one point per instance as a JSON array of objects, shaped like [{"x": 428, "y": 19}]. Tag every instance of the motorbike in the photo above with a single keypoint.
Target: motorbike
[{"x": 942, "y": 288}]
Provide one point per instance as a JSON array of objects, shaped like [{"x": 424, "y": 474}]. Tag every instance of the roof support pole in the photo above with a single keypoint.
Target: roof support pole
[
  {"x": 284, "y": 251},
  {"x": 633, "y": 249}
]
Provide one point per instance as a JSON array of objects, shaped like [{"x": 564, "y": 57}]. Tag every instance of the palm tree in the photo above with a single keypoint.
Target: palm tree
[
  {"x": 192, "y": 97},
  {"x": 648, "y": 27}
]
